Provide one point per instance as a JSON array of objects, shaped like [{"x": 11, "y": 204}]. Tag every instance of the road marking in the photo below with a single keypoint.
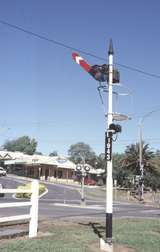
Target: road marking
[
  {"x": 98, "y": 207},
  {"x": 156, "y": 211}
]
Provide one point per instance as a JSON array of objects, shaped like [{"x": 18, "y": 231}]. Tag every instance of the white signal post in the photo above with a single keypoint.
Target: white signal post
[
  {"x": 141, "y": 196},
  {"x": 82, "y": 185},
  {"x": 107, "y": 244},
  {"x": 109, "y": 180},
  {"x": 83, "y": 168}
]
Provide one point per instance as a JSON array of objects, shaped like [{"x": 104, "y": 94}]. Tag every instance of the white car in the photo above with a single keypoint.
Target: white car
[{"x": 2, "y": 172}]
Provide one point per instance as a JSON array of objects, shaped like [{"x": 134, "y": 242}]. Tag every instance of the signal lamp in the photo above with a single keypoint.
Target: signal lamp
[{"x": 116, "y": 128}]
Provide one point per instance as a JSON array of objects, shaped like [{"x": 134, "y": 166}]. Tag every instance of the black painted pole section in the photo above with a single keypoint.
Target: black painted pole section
[{"x": 109, "y": 227}]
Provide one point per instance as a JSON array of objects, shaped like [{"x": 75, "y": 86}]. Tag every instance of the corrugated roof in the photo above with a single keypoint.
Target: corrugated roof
[{"x": 19, "y": 157}]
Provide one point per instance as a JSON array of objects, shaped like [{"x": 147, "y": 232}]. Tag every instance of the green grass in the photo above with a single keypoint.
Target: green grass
[
  {"x": 142, "y": 235},
  {"x": 100, "y": 193},
  {"x": 68, "y": 238},
  {"x": 42, "y": 189}
]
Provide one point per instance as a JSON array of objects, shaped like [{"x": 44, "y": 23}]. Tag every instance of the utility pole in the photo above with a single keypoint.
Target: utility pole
[
  {"x": 141, "y": 165},
  {"x": 109, "y": 180}
]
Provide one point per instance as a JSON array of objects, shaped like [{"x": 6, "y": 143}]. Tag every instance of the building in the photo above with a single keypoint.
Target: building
[{"x": 38, "y": 166}]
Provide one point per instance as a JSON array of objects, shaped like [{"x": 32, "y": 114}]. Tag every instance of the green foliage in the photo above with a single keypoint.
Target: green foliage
[
  {"x": 131, "y": 159},
  {"x": 125, "y": 165},
  {"x": 81, "y": 150},
  {"x": 53, "y": 154},
  {"x": 38, "y": 153},
  {"x": 118, "y": 172},
  {"x": 42, "y": 189},
  {"x": 117, "y": 163},
  {"x": 23, "y": 144},
  {"x": 151, "y": 162},
  {"x": 152, "y": 181},
  {"x": 100, "y": 162},
  {"x": 155, "y": 162}
]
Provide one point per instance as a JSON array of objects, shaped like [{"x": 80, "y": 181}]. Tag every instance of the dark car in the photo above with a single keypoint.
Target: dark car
[
  {"x": 89, "y": 181},
  {"x": 1, "y": 187}
]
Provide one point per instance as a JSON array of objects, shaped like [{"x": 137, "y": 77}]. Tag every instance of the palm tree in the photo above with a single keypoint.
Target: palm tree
[
  {"x": 151, "y": 162},
  {"x": 131, "y": 159}
]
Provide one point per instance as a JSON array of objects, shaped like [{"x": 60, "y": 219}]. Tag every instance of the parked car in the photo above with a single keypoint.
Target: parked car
[
  {"x": 1, "y": 187},
  {"x": 89, "y": 181},
  {"x": 2, "y": 172}
]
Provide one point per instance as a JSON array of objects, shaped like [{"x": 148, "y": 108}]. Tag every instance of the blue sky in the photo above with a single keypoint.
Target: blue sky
[{"x": 45, "y": 95}]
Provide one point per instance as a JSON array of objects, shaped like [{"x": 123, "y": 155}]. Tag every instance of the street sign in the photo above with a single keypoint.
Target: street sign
[
  {"x": 108, "y": 146},
  {"x": 78, "y": 167},
  {"x": 87, "y": 168}
]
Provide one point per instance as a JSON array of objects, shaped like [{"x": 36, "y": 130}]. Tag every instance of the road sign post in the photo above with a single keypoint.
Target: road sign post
[{"x": 83, "y": 169}]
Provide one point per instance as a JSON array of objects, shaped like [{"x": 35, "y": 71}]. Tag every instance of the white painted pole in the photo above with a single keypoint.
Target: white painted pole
[
  {"x": 33, "y": 225},
  {"x": 82, "y": 186},
  {"x": 141, "y": 159},
  {"x": 109, "y": 180}
]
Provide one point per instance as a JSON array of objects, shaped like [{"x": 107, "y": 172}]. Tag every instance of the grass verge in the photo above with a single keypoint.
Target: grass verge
[
  {"x": 138, "y": 235},
  {"x": 141, "y": 234},
  {"x": 100, "y": 193},
  {"x": 55, "y": 237}
]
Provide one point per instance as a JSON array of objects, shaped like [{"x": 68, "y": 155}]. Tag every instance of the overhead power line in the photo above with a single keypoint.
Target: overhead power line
[
  {"x": 48, "y": 39},
  {"x": 16, "y": 27},
  {"x": 139, "y": 71}
]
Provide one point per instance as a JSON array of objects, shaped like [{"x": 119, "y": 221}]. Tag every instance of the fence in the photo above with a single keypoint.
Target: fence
[{"x": 33, "y": 215}]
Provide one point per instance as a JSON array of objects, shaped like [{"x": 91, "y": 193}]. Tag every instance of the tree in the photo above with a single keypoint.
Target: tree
[
  {"x": 100, "y": 161},
  {"x": 23, "y": 144},
  {"x": 53, "y": 154},
  {"x": 131, "y": 159},
  {"x": 118, "y": 172},
  {"x": 152, "y": 177},
  {"x": 81, "y": 150},
  {"x": 155, "y": 161},
  {"x": 38, "y": 153},
  {"x": 150, "y": 161}
]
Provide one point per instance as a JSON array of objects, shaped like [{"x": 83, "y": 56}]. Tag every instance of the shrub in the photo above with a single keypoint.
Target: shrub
[{"x": 42, "y": 189}]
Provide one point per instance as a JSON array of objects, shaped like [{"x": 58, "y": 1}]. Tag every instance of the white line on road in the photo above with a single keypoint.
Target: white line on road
[
  {"x": 78, "y": 206},
  {"x": 96, "y": 207},
  {"x": 156, "y": 211}
]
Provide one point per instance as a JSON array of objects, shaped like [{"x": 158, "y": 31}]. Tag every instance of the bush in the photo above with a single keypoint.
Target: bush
[{"x": 42, "y": 189}]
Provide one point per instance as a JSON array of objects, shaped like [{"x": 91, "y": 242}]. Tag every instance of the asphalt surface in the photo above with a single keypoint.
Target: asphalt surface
[{"x": 63, "y": 201}]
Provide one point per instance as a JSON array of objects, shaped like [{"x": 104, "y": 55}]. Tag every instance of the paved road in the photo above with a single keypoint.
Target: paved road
[{"x": 63, "y": 201}]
